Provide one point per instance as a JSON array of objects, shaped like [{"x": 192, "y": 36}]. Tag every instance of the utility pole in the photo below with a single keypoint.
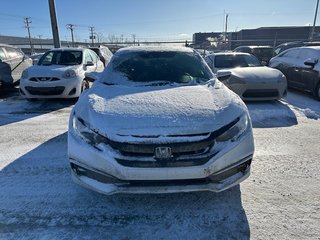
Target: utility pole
[
  {"x": 92, "y": 35},
  {"x": 134, "y": 39},
  {"x": 40, "y": 41},
  {"x": 54, "y": 24},
  {"x": 226, "y": 28},
  {"x": 27, "y": 22},
  {"x": 314, "y": 22},
  {"x": 71, "y": 28}
]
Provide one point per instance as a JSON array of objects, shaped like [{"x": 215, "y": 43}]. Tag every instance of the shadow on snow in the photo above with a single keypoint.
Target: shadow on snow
[
  {"x": 38, "y": 198},
  {"x": 14, "y": 108}
]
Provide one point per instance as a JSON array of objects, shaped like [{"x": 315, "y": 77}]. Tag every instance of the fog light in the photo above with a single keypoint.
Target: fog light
[{"x": 73, "y": 91}]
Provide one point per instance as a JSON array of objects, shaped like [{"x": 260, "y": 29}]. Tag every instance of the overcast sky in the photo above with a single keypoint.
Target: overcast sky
[{"x": 150, "y": 19}]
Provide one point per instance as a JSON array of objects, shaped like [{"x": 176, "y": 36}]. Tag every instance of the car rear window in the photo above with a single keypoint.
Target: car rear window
[{"x": 233, "y": 61}]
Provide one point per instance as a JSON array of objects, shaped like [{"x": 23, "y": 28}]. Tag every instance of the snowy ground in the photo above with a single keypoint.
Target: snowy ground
[{"x": 280, "y": 200}]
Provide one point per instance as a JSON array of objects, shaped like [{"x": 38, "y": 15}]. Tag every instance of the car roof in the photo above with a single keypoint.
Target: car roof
[
  {"x": 154, "y": 49},
  {"x": 256, "y": 46},
  {"x": 230, "y": 53},
  {"x": 7, "y": 45},
  {"x": 310, "y": 47},
  {"x": 67, "y": 49}
]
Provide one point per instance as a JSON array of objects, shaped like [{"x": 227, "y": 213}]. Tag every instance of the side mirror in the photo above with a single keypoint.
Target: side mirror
[
  {"x": 223, "y": 75},
  {"x": 264, "y": 63},
  {"x": 310, "y": 62},
  {"x": 91, "y": 76},
  {"x": 89, "y": 63}
]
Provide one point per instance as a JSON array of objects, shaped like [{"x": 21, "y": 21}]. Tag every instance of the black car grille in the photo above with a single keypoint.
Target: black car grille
[
  {"x": 260, "y": 93},
  {"x": 43, "y": 79},
  {"x": 45, "y": 90},
  {"x": 183, "y": 153}
]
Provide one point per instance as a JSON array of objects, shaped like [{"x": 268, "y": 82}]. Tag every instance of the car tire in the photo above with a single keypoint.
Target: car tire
[
  {"x": 317, "y": 92},
  {"x": 84, "y": 85}
]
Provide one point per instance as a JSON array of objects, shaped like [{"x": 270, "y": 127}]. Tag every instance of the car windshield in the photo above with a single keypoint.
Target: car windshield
[
  {"x": 61, "y": 58},
  {"x": 161, "y": 66},
  {"x": 233, "y": 61}
]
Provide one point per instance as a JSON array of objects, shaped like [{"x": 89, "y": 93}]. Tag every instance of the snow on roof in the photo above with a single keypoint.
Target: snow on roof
[
  {"x": 230, "y": 53},
  {"x": 67, "y": 49},
  {"x": 154, "y": 49}
]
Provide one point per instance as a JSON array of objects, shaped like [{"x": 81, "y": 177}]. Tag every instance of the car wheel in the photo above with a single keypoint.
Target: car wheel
[
  {"x": 317, "y": 92},
  {"x": 84, "y": 85}
]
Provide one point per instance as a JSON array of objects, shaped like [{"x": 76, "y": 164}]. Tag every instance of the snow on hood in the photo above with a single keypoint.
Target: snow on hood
[
  {"x": 256, "y": 74},
  {"x": 167, "y": 110},
  {"x": 50, "y": 71}
]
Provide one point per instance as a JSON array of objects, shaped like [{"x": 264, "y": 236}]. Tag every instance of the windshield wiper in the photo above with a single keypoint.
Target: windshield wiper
[
  {"x": 108, "y": 84},
  {"x": 158, "y": 84}
]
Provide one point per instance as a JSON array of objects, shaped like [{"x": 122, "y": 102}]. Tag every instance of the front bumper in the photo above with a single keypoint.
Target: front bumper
[
  {"x": 63, "y": 88},
  {"x": 99, "y": 171},
  {"x": 217, "y": 182},
  {"x": 259, "y": 91}
]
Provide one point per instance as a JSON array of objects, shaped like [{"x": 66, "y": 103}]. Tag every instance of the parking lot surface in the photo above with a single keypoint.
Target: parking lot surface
[{"x": 280, "y": 200}]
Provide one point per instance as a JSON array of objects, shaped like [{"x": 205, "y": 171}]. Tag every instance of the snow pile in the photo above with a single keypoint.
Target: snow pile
[{"x": 271, "y": 114}]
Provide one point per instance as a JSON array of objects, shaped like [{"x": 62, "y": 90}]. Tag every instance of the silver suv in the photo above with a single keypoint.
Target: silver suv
[{"x": 12, "y": 63}]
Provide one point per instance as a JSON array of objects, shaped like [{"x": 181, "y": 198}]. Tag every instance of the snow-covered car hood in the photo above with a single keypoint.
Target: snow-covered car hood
[
  {"x": 168, "y": 110},
  {"x": 50, "y": 71},
  {"x": 257, "y": 74}
]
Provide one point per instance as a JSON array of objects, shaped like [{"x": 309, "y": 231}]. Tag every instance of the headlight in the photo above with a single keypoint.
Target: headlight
[
  {"x": 25, "y": 74},
  {"x": 84, "y": 132},
  {"x": 283, "y": 79},
  {"x": 69, "y": 74},
  {"x": 236, "y": 130}
]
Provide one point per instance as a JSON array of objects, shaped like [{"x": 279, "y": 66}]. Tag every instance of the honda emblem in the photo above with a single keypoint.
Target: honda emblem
[{"x": 163, "y": 152}]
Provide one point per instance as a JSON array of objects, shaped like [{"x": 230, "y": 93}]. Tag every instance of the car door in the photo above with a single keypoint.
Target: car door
[
  {"x": 5, "y": 69},
  {"x": 88, "y": 59},
  {"x": 287, "y": 63},
  {"x": 24, "y": 62},
  {"x": 97, "y": 62},
  {"x": 14, "y": 60},
  {"x": 308, "y": 74}
]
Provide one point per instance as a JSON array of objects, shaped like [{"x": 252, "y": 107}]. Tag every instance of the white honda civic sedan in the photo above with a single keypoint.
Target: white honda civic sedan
[
  {"x": 157, "y": 121},
  {"x": 60, "y": 73}
]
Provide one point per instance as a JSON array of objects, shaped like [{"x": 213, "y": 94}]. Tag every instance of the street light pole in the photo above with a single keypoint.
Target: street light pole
[
  {"x": 54, "y": 24},
  {"x": 314, "y": 22}
]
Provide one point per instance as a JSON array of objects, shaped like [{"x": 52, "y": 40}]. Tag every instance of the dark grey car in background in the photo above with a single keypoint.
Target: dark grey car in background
[
  {"x": 263, "y": 53},
  {"x": 12, "y": 63},
  {"x": 301, "y": 67}
]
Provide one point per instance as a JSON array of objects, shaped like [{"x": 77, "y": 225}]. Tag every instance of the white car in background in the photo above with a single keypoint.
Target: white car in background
[
  {"x": 60, "y": 73},
  {"x": 157, "y": 121},
  {"x": 244, "y": 74}
]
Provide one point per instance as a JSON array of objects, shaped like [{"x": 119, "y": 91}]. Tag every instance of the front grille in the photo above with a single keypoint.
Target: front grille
[
  {"x": 183, "y": 153},
  {"x": 43, "y": 79},
  {"x": 260, "y": 93},
  {"x": 45, "y": 90}
]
